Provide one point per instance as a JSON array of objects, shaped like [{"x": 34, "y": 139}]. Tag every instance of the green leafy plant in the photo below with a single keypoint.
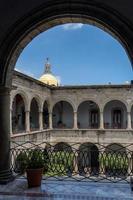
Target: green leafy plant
[
  {"x": 36, "y": 159},
  {"x": 21, "y": 162}
]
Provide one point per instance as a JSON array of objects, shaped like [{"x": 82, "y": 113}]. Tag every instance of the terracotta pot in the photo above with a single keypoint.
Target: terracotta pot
[{"x": 34, "y": 177}]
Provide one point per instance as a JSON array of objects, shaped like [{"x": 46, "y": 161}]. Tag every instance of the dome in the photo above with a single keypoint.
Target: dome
[{"x": 49, "y": 79}]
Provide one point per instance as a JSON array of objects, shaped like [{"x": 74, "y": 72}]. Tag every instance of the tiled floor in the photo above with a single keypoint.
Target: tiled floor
[{"x": 66, "y": 190}]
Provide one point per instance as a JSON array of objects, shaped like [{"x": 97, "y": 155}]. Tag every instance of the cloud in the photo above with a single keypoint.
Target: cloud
[
  {"x": 25, "y": 72},
  {"x": 72, "y": 26}
]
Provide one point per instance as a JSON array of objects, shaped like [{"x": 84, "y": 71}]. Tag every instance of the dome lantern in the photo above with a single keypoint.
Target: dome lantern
[{"x": 48, "y": 78}]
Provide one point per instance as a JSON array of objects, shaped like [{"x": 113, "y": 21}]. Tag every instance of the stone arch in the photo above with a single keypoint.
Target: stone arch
[
  {"x": 64, "y": 158},
  {"x": 62, "y": 115},
  {"x": 88, "y": 115},
  {"x": 62, "y": 146},
  {"x": 34, "y": 115},
  {"x": 18, "y": 114},
  {"x": 115, "y": 115},
  {"x": 88, "y": 158},
  {"x": 50, "y": 14},
  {"x": 117, "y": 161},
  {"x": 24, "y": 96},
  {"x": 64, "y": 99},
  {"x": 113, "y": 99},
  {"x": 38, "y": 100}
]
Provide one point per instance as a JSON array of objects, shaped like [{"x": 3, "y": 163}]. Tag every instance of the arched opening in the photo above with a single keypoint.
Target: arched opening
[
  {"x": 116, "y": 160},
  {"x": 41, "y": 17},
  {"x": 45, "y": 116},
  {"x": 34, "y": 115},
  {"x": 81, "y": 14},
  {"x": 88, "y": 115},
  {"x": 18, "y": 114},
  {"x": 63, "y": 159},
  {"x": 132, "y": 116},
  {"x": 88, "y": 159},
  {"x": 115, "y": 115},
  {"x": 62, "y": 146},
  {"x": 62, "y": 115}
]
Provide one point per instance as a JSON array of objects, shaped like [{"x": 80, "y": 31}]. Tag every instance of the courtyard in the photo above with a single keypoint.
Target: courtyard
[{"x": 61, "y": 190}]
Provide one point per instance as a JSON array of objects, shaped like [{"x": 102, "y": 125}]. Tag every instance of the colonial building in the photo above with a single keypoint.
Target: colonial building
[{"x": 42, "y": 110}]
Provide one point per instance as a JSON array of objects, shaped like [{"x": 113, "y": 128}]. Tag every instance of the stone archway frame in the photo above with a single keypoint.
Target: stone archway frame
[
  {"x": 91, "y": 162},
  {"x": 65, "y": 100},
  {"x": 88, "y": 100},
  {"x": 121, "y": 100},
  {"x": 53, "y": 13},
  {"x": 38, "y": 100},
  {"x": 71, "y": 105},
  {"x": 24, "y": 96}
]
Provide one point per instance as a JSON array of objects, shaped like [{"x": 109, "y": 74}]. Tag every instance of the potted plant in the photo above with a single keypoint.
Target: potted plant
[
  {"x": 21, "y": 162},
  {"x": 35, "y": 165}
]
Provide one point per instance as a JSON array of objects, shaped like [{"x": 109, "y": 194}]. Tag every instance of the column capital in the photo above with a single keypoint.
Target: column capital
[
  {"x": 27, "y": 110},
  {"x": 4, "y": 90}
]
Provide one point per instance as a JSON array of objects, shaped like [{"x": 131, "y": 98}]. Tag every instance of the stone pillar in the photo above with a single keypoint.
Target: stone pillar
[
  {"x": 101, "y": 121},
  {"x": 50, "y": 120},
  {"x": 27, "y": 121},
  {"x": 10, "y": 121},
  {"x": 40, "y": 121},
  {"x": 75, "y": 120},
  {"x": 129, "y": 164},
  {"x": 129, "y": 126},
  {"x": 5, "y": 172},
  {"x": 75, "y": 164}
]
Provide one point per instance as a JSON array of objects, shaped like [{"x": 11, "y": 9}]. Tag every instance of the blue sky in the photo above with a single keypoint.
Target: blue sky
[{"x": 79, "y": 55}]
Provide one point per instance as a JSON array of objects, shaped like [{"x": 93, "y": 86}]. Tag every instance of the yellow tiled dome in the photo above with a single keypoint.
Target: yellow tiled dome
[{"x": 49, "y": 79}]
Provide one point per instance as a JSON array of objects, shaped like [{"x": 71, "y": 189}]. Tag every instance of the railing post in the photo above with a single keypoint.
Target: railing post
[
  {"x": 129, "y": 164},
  {"x": 75, "y": 162}
]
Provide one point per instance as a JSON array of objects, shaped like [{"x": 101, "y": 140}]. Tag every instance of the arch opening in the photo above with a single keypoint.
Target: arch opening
[
  {"x": 45, "y": 115},
  {"x": 34, "y": 115},
  {"x": 116, "y": 160},
  {"x": 88, "y": 159},
  {"x": 18, "y": 114},
  {"x": 115, "y": 115},
  {"x": 90, "y": 14},
  {"x": 88, "y": 115},
  {"x": 62, "y": 115}
]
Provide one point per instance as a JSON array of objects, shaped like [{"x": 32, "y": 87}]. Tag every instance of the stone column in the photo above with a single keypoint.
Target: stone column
[
  {"x": 27, "y": 121},
  {"x": 40, "y": 121},
  {"x": 75, "y": 120},
  {"x": 5, "y": 172},
  {"x": 101, "y": 121},
  {"x": 10, "y": 121},
  {"x": 50, "y": 120},
  {"x": 129, "y": 126}
]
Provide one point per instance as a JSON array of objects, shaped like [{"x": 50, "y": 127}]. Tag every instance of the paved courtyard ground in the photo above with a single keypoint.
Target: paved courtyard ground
[{"x": 65, "y": 190}]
